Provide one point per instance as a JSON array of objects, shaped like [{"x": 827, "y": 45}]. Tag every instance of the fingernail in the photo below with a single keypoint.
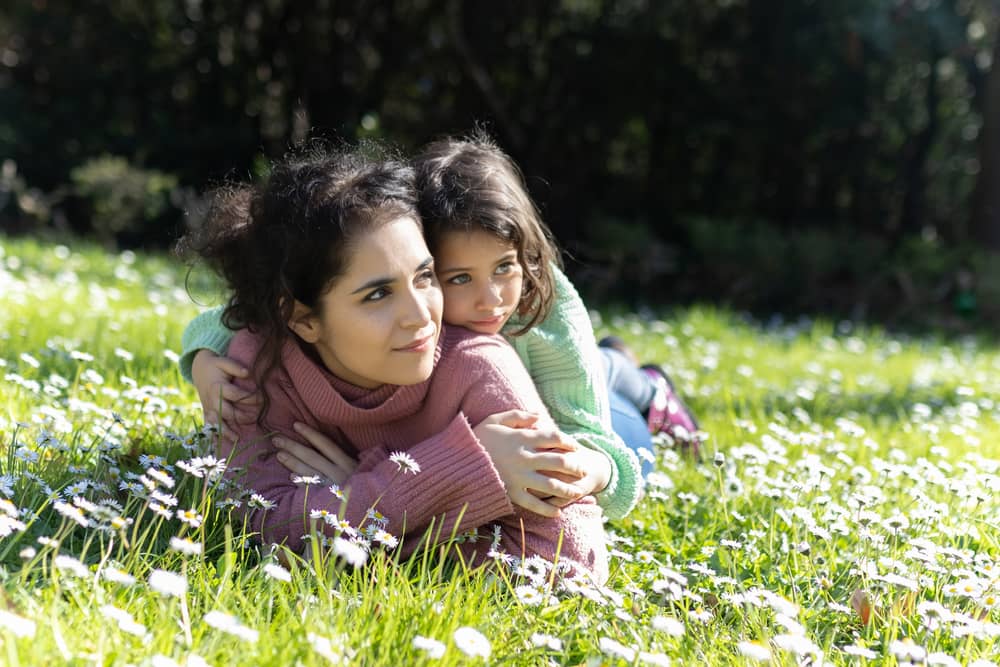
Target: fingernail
[
  {"x": 298, "y": 426},
  {"x": 277, "y": 443}
]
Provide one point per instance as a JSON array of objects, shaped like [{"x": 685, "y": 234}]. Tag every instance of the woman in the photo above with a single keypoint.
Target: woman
[{"x": 335, "y": 288}]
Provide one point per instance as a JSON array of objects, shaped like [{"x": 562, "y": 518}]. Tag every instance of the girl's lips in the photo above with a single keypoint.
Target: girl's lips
[{"x": 484, "y": 323}]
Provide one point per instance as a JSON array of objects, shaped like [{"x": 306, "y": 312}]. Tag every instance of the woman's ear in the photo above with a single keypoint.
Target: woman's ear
[{"x": 304, "y": 322}]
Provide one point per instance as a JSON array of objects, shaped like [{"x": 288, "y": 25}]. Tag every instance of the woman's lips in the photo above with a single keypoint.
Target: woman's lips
[{"x": 419, "y": 345}]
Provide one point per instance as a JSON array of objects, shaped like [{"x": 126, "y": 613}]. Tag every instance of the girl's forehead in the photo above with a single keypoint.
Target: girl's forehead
[{"x": 474, "y": 237}]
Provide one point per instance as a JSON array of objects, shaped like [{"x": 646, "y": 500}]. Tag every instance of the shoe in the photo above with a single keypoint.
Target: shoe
[{"x": 668, "y": 414}]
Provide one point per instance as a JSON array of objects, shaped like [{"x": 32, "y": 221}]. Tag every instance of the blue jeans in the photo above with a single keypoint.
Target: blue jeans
[
  {"x": 630, "y": 425},
  {"x": 630, "y": 391}
]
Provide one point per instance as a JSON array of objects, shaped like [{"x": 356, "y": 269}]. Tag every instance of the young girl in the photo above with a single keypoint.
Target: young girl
[{"x": 334, "y": 288}]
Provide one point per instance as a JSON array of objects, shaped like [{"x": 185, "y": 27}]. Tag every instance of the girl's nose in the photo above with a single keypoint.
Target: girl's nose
[{"x": 490, "y": 296}]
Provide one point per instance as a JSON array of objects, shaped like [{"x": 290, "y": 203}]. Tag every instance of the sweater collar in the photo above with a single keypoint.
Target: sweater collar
[{"x": 338, "y": 402}]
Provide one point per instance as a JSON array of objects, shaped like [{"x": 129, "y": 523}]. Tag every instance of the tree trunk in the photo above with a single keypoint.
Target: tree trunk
[{"x": 986, "y": 203}]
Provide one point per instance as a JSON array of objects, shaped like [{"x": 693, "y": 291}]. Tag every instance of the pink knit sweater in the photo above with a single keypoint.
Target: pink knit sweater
[{"x": 457, "y": 489}]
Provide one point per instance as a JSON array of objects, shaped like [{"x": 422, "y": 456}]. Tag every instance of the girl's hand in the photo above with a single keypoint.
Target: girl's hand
[
  {"x": 212, "y": 376},
  {"x": 534, "y": 461},
  {"x": 324, "y": 458},
  {"x": 598, "y": 473}
]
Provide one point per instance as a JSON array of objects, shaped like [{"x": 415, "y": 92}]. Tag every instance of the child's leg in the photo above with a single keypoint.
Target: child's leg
[
  {"x": 628, "y": 380},
  {"x": 631, "y": 427},
  {"x": 649, "y": 390}
]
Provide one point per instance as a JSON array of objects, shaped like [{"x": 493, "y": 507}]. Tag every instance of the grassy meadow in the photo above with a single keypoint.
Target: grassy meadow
[{"x": 846, "y": 511}]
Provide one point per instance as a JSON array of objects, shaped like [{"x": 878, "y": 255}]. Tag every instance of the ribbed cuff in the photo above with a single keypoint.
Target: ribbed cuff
[{"x": 204, "y": 332}]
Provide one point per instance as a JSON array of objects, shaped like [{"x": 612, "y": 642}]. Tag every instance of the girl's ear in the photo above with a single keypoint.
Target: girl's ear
[{"x": 304, "y": 322}]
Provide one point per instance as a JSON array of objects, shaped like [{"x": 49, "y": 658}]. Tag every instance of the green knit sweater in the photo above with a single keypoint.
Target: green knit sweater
[{"x": 562, "y": 357}]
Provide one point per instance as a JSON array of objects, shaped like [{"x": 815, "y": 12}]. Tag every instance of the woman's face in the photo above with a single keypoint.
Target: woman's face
[
  {"x": 379, "y": 323},
  {"x": 481, "y": 278}
]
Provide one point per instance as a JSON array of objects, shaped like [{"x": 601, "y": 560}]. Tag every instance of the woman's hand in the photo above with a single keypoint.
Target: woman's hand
[
  {"x": 324, "y": 458},
  {"x": 540, "y": 467},
  {"x": 221, "y": 400}
]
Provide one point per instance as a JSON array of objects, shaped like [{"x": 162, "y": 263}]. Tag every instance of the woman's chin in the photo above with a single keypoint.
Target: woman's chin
[{"x": 415, "y": 374}]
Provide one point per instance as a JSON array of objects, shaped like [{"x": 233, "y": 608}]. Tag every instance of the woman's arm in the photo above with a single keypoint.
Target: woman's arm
[{"x": 562, "y": 357}]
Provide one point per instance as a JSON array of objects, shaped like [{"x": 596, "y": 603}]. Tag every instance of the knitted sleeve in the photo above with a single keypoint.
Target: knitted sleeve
[
  {"x": 562, "y": 357},
  {"x": 204, "y": 332},
  {"x": 577, "y": 535}
]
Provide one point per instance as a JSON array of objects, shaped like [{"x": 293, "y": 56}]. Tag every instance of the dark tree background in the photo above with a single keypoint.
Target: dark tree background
[{"x": 783, "y": 155}]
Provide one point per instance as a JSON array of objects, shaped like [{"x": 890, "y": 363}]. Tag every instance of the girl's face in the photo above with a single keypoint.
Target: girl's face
[
  {"x": 379, "y": 323},
  {"x": 481, "y": 279}
]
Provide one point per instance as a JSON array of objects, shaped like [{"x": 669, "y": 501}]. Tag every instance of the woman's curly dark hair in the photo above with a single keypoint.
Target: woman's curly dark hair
[{"x": 289, "y": 237}]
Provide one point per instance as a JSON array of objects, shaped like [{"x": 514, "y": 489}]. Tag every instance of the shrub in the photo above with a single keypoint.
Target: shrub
[{"x": 124, "y": 202}]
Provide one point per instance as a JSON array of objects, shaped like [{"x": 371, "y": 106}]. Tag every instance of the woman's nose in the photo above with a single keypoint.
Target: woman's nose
[{"x": 418, "y": 309}]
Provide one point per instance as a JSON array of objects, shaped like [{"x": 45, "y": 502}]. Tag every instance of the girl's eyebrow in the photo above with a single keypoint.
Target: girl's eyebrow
[
  {"x": 388, "y": 280},
  {"x": 504, "y": 257}
]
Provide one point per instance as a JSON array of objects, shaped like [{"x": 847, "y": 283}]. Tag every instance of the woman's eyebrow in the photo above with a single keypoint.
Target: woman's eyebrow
[
  {"x": 388, "y": 280},
  {"x": 375, "y": 282}
]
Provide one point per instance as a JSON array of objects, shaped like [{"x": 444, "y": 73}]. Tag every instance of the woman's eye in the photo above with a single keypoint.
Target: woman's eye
[
  {"x": 460, "y": 279},
  {"x": 377, "y": 295},
  {"x": 426, "y": 277},
  {"x": 506, "y": 267}
]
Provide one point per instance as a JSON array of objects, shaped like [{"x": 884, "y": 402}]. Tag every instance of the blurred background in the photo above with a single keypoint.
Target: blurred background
[{"x": 793, "y": 156}]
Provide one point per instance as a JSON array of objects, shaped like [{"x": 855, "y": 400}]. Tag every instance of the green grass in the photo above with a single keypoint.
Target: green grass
[{"x": 842, "y": 462}]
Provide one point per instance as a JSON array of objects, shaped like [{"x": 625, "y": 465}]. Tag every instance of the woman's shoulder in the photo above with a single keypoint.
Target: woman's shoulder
[{"x": 245, "y": 346}]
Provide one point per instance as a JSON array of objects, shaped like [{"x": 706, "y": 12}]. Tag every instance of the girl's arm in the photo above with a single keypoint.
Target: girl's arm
[
  {"x": 562, "y": 357},
  {"x": 204, "y": 332},
  {"x": 204, "y": 364}
]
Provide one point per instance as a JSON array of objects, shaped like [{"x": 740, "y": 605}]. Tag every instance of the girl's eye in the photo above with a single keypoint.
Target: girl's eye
[
  {"x": 377, "y": 295},
  {"x": 460, "y": 279},
  {"x": 506, "y": 267},
  {"x": 426, "y": 277}
]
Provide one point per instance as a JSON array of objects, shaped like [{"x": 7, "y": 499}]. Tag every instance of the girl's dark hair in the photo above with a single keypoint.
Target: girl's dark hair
[
  {"x": 469, "y": 183},
  {"x": 289, "y": 237}
]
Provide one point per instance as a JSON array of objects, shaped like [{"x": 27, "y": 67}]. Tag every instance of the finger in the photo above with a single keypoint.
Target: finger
[
  {"x": 310, "y": 457},
  {"x": 550, "y": 486},
  {"x": 244, "y": 415},
  {"x": 326, "y": 446},
  {"x": 230, "y": 367},
  {"x": 297, "y": 466},
  {"x": 555, "y": 501},
  {"x": 515, "y": 419},
  {"x": 549, "y": 438},
  {"x": 558, "y": 463},
  {"x": 212, "y": 417},
  {"x": 231, "y": 392},
  {"x": 523, "y": 499},
  {"x": 562, "y": 477},
  {"x": 227, "y": 411}
]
